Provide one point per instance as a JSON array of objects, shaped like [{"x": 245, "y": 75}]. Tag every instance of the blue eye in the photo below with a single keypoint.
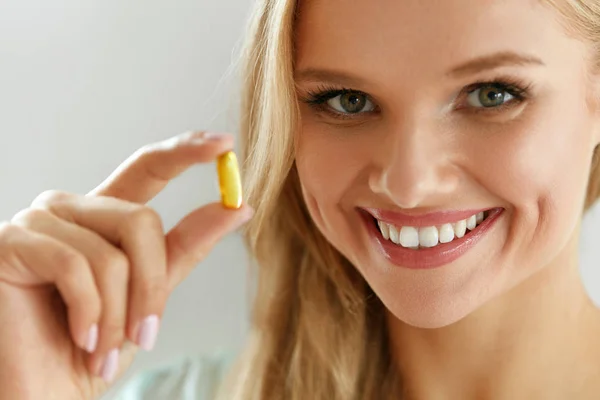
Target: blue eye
[
  {"x": 489, "y": 96},
  {"x": 351, "y": 103}
]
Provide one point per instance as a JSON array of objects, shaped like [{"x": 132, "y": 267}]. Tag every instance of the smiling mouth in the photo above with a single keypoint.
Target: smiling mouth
[{"x": 426, "y": 237}]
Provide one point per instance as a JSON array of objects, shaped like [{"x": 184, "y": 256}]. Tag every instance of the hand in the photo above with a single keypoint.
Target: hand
[{"x": 80, "y": 276}]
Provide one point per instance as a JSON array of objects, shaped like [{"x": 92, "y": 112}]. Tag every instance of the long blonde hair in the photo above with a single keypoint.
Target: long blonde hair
[{"x": 318, "y": 332}]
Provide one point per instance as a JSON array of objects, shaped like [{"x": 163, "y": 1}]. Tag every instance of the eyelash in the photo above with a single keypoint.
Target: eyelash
[
  {"x": 318, "y": 99},
  {"x": 520, "y": 92}
]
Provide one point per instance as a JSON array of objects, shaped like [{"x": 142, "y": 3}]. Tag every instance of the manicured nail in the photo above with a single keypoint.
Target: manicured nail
[
  {"x": 247, "y": 216},
  {"x": 92, "y": 339},
  {"x": 205, "y": 137},
  {"x": 148, "y": 332},
  {"x": 214, "y": 136},
  {"x": 111, "y": 365}
]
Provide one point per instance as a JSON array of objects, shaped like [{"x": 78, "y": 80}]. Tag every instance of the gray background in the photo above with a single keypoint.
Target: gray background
[{"x": 83, "y": 84}]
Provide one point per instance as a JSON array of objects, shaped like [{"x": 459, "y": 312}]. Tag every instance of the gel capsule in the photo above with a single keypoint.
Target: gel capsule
[{"x": 230, "y": 182}]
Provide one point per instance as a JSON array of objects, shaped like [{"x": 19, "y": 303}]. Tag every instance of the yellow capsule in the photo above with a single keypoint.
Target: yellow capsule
[{"x": 230, "y": 182}]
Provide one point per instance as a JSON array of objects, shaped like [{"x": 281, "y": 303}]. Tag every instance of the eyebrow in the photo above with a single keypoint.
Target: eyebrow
[
  {"x": 472, "y": 67},
  {"x": 495, "y": 60},
  {"x": 326, "y": 75}
]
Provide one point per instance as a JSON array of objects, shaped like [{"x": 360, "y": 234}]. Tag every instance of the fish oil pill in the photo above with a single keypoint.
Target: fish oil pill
[{"x": 230, "y": 183}]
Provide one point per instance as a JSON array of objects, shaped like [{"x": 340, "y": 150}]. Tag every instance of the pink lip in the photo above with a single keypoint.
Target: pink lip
[
  {"x": 430, "y": 219},
  {"x": 434, "y": 257}
]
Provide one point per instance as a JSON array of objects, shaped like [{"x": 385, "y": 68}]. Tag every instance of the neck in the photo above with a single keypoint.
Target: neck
[{"x": 540, "y": 340}]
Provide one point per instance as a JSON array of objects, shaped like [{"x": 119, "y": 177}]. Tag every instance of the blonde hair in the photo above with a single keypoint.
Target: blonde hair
[{"x": 318, "y": 332}]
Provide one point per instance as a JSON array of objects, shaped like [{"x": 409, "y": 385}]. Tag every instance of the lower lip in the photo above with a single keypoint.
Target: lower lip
[{"x": 433, "y": 257}]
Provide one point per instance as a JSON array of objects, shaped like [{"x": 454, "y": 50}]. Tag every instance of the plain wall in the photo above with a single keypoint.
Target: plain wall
[{"x": 83, "y": 84}]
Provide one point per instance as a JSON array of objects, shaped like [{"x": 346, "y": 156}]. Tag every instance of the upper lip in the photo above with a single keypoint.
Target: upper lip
[{"x": 424, "y": 219}]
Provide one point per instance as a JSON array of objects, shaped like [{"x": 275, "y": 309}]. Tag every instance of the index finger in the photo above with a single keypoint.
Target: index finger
[{"x": 143, "y": 175}]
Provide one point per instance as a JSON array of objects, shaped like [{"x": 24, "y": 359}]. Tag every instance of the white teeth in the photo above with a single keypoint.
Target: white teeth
[
  {"x": 409, "y": 236},
  {"x": 394, "y": 234},
  {"x": 479, "y": 218},
  {"x": 460, "y": 228},
  {"x": 471, "y": 222},
  {"x": 428, "y": 236},
  {"x": 385, "y": 230},
  {"x": 446, "y": 233}
]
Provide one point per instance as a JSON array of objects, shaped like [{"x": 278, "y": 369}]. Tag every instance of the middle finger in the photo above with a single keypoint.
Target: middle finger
[{"x": 137, "y": 229}]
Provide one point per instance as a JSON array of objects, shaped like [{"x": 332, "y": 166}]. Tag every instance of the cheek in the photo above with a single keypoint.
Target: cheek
[
  {"x": 328, "y": 163},
  {"x": 540, "y": 166}
]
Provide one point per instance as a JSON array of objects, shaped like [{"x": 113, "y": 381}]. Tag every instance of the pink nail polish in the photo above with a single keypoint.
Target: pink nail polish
[
  {"x": 215, "y": 135},
  {"x": 208, "y": 137},
  {"x": 245, "y": 218},
  {"x": 148, "y": 332},
  {"x": 92, "y": 339},
  {"x": 111, "y": 366}
]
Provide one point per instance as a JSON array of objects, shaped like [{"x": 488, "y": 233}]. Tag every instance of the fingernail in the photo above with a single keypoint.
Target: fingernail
[
  {"x": 92, "y": 339},
  {"x": 214, "y": 136},
  {"x": 111, "y": 365},
  {"x": 148, "y": 332},
  {"x": 247, "y": 216}
]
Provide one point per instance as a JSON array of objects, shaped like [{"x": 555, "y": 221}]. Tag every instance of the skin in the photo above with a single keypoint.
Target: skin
[
  {"x": 510, "y": 318},
  {"x": 70, "y": 261}
]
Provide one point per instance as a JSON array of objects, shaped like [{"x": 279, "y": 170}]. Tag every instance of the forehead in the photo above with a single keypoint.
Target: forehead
[{"x": 415, "y": 37}]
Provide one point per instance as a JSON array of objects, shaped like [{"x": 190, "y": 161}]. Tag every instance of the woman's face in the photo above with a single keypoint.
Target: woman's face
[{"x": 420, "y": 114}]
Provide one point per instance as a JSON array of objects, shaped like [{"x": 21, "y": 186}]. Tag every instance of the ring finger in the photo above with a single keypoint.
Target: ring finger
[
  {"x": 138, "y": 231},
  {"x": 110, "y": 268}
]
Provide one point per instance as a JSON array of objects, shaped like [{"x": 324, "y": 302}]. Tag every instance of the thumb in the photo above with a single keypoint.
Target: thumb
[{"x": 196, "y": 234}]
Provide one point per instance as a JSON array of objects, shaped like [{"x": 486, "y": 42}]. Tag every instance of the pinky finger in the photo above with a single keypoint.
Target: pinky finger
[{"x": 38, "y": 258}]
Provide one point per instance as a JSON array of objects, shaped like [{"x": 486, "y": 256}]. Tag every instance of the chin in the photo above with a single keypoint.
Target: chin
[
  {"x": 423, "y": 320},
  {"x": 434, "y": 313}
]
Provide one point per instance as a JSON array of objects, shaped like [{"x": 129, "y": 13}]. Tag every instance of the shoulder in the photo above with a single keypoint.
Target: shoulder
[{"x": 193, "y": 378}]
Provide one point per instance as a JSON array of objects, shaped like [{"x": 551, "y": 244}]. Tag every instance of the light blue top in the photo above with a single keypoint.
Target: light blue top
[{"x": 192, "y": 379}]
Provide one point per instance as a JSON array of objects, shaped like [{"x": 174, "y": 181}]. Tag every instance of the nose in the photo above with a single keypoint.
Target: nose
[{"x": 413, "y": 166}]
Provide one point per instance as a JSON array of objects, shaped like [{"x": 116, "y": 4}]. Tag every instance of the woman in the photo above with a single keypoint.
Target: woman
[{"x": 418, "y": 171}]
